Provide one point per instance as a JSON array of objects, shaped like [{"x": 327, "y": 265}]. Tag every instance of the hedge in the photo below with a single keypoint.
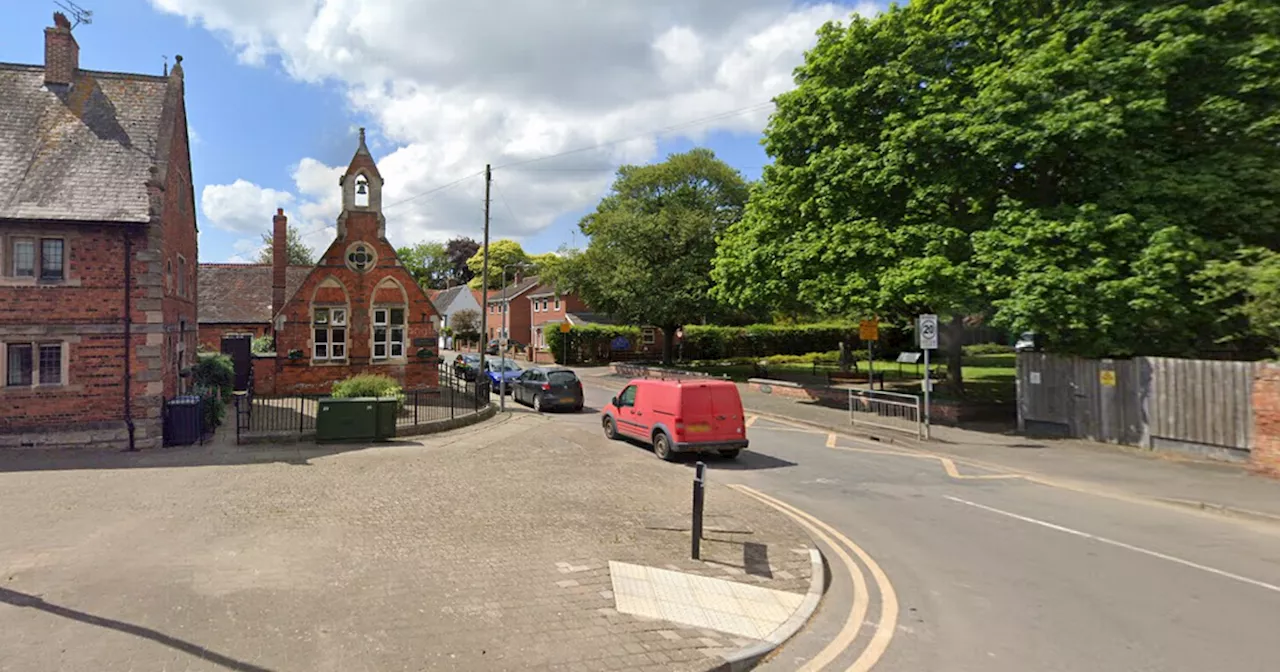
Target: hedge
[
  {"x": 763, "y": 340},
  {"x": 588, "y": 343}
]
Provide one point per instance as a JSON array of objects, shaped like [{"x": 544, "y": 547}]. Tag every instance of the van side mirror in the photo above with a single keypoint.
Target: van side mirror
[{"x": 614, "y": 401}]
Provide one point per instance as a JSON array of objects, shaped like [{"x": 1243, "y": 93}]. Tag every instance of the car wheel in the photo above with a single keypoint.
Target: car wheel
[
  {"x": 730, "y": 454},
  {"x": 662, "y": 446},
  {"x": 537, "y": 404},
  {"x": 577, "y": 408},
  {"x": 610, "y": 429}
]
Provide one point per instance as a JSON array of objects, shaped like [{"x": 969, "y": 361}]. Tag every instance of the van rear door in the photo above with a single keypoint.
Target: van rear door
[
  {"x": 726, "y": 413},
  {"x": 697, "y": 412}
]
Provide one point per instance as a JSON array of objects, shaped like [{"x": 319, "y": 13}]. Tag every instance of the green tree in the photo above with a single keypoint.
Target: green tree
[
  {"x": 502, "y": 253},
  {"x": 428, "y": 263},
  {"x": 466, "y": 323},
  {"x": 297, "y": 252},
  {"x": 459, "y": 250},
  {"x": 652, "y": 239},
  {"x": 1066, "y": 166},
  {"x": 1245, "y": 290}
]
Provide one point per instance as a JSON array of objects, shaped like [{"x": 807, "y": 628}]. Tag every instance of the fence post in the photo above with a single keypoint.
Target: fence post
[
  {"x": 302, "y": 405},
  {"x": 699, "y": 483}
]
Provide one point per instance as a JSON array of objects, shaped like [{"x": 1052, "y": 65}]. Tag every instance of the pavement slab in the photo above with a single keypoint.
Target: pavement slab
[{"x": 487, "y": 548}]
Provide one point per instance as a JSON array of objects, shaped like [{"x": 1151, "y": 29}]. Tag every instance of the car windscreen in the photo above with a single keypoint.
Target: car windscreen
[{"x": 561, "y": 377}]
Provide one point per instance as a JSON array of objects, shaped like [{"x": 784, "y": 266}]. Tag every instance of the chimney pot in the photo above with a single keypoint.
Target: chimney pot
[{"x": 61, "y": 53}]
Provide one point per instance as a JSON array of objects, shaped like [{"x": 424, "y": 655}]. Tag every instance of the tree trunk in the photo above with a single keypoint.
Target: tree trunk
[
  {"x": 955, "y": 354},
  {"x": 668, "y": 343}
]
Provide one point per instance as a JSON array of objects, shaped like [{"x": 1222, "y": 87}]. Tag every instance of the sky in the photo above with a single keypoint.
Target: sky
[{"x": 555, "y": 94}]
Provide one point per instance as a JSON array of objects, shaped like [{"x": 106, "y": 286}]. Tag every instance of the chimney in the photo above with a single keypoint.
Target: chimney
[
  {"x": 519, "y": 276},
  {"x": 61, "y": 53},
  {"x": 279, "y": 260}
]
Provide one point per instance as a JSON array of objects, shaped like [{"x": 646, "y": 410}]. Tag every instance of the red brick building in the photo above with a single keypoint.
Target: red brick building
[
  {"x": 97, "y": 250},
  {"x": 357, "y": 311},
  {"x": 548, "y": 309},
  {"x": 513, "y": 301},
  {"x": 235, "y": 300}
]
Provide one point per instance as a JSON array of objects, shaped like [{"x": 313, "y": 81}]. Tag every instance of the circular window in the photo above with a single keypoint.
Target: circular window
[{"x": 360, "y": 257}]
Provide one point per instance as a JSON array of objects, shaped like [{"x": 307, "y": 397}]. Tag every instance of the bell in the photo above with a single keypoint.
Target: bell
[{"x": 362, "y": 189}]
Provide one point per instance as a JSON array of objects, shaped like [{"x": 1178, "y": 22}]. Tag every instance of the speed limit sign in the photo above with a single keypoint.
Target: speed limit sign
[{"x": 928, "y": 332}]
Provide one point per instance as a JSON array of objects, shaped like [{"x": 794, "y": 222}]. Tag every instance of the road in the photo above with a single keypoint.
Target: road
[{"x": 963, "y": 569}]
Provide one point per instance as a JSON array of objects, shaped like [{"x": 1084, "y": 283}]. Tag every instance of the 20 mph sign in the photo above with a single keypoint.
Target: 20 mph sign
[{"x": 928, "y": 332}]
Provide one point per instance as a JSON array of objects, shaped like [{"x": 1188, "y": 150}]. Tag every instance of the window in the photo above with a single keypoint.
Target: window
[
  {"x": 182, "y": 276},
  {"x": 360, "y": 257},
  {"x": 535, "y": 306},
  {"x": 648, "y": 337},
  {"x": 330, "y": 332},
  {"x": 30, "y": 364},
  {"x": 23, "y": 253},
  {"x": 388, "y": 333},
  {"x": 51, "y": 259},
  {"x": 628, "y": 396},
  {"x": 557, "y": 303}
]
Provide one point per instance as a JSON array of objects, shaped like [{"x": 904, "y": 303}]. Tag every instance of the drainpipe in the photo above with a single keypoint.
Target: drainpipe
[{"x": 128, "y": 336}]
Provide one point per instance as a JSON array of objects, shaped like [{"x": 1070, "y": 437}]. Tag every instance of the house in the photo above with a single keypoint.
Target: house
[
  {"x": 511, "y": 300},
  {"x": 98, "y": 282},
  {"x": 235, "y": 300},
  {"x": 548, "y": 309},
  {"x": 358, "y": 310},
  {"x": 450, "y": 302}
]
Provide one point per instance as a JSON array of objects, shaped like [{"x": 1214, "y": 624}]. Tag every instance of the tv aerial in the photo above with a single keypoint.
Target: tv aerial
[{"x": 80, "y": 14}]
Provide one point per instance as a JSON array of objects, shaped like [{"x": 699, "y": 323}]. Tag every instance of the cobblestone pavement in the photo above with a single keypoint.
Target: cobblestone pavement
[{"x": 482, "y": 549}]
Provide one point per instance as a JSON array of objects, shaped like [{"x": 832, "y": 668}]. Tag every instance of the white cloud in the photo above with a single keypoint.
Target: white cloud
[
  {"x": 241, "y": 206},
  {"x": 453, "y": 86}
]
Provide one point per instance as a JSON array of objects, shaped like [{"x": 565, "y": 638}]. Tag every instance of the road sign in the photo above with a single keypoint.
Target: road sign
[
  {"x": 869, "y": 330},
  {"x": 565, "y": 327},
  {"x": 929, "y": 332}
]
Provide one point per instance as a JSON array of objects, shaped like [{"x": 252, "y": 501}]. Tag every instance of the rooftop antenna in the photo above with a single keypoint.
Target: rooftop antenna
[{"x": 80, "y": 14}]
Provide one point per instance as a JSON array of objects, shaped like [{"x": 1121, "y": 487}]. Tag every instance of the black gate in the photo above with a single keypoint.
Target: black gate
[{"x": 238, "y": 348}]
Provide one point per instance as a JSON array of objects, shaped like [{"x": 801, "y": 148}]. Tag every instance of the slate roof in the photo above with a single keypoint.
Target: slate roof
[
  {"x": 241, "y": 293},
  {"x": 445, "y": 297},
  {"x": 543, "y": 290},
  {"x": 82, "y": 152},
  {"x": 513, "y": 290}
]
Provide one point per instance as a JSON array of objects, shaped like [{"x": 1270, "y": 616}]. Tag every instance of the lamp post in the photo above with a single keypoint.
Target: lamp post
[{"x": 502, "y": 340}]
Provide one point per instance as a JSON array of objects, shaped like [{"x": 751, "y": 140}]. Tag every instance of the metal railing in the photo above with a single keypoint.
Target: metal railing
[
  {"x": 887, "y": 410},
  {"x": 294, "y": 416}
]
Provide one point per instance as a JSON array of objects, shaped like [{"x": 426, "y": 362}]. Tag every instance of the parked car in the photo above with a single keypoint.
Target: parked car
[
  {"x": 545, "y": 387},
  {"x": 677, "y": 416},
  {"x": 466, "y": 366},
  {"x": 500, "y": 369},
  {"x": 1026, "y": 342},
  {"x": 512, "y": 346}
]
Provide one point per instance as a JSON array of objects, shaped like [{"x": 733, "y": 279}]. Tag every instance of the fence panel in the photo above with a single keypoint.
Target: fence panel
[
  {"x": 1200, "y": 405},
  {"x": 886, "y": 410}
]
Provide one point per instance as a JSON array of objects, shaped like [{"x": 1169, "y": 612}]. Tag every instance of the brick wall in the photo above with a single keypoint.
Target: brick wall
[
  {"x": 210, "y": 335},
  {"x": 177, "y": 245},
  {"x": 264, "y": 375},
  {"x": 1265, "y": 454}
]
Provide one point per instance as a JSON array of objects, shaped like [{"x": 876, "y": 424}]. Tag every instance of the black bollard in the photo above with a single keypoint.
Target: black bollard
[{"x": 699, "y": 485}]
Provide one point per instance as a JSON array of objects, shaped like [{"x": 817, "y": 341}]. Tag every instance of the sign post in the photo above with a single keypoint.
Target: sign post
[
  {"x": 869, "y": 331},
  {"x": 928, "y": 331}
]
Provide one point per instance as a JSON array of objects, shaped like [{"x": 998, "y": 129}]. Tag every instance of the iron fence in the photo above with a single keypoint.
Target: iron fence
[
  {"x": 294, "y": 416},
  {"x": 886, "y": 410}
]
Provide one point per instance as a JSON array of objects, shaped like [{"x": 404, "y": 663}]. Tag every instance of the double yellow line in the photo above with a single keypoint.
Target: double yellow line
[{"x": 841, "y": 546}]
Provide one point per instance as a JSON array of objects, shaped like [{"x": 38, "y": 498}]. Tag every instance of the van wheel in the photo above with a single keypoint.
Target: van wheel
[
  {"x": 662, "y": 446},
  {"x": 610, "y": 429},
  {"x": 730, "y": 454}
]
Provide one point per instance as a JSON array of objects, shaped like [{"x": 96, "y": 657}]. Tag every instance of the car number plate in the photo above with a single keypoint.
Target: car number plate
[
  {"x": 566, "y": 400},
  {"x": 699, "y": 427}
]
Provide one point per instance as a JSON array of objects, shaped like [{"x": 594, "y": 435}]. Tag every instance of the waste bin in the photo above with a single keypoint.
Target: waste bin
[
  {"x": 353, "y": 419},
  {"x": 183, "y": 420},
  {"x": 388, "y": 409}
]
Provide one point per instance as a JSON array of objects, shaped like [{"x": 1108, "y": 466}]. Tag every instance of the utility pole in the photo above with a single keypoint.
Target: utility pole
[{"x": 484, "y": 282}]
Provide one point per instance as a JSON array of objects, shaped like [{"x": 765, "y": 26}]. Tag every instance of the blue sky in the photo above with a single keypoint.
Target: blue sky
[{"x": 275, "y": 92}]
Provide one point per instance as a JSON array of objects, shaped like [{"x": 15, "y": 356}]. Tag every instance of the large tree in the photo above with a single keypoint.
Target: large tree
[
  {"x": 502, "y": 253},
  {"x": 459, "y": 250},
  {"x": 1068, "y": 166},
  {"x": 652, "y": 238},
  {"x": 428, "y": 263},
  {"x": 296, "y": 252}
]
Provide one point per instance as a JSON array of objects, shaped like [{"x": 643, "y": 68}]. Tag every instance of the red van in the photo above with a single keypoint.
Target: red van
[{"x": 677, "y": 416}]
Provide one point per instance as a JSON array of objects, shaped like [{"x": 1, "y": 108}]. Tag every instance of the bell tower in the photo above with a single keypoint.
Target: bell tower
[{"x": 361, "y": 193}]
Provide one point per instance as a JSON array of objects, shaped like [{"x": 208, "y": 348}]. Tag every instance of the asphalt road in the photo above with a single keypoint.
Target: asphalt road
[{"x": 966, "y": 569}]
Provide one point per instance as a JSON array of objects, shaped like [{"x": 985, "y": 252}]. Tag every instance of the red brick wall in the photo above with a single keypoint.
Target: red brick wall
[
  {"x": 1265, "y": 454},
  {"x": 303, "y": 376},
  {"x": 264, "y": 375},
  {"x": 211, "y": 334},
  {"x": 178, "y": 225},
  {"x": 518, "y": 320}
]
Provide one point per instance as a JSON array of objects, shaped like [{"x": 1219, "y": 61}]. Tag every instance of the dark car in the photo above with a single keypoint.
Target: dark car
[
  {"x": 545, "y": 387},
  {"x": 466, "y": 366},
  {"x": 492, "y": 348}
]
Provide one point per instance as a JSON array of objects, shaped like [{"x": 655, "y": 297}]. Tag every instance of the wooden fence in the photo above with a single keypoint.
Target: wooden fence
[{"x": 1198, "y": 406}]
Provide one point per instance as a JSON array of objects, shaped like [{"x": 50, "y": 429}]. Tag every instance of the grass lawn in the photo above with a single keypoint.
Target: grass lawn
[{"x": 986, "y": 377}]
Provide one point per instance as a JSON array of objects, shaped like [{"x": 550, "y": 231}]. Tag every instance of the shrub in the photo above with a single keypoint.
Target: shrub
[
  {"x": 590, "y": 342},
  {"x": 987, "y": 349},
  {"x": 763, "y": 340},
  {"x": 263, "y": 344},
  {"x": 215, "y": 407},
  {"x": 214, "y": 371},
  {"x": 367, "y": 385}
]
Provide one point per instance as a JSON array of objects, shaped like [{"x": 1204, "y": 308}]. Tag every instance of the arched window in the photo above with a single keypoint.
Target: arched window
[{"x": 362, "y": 191}]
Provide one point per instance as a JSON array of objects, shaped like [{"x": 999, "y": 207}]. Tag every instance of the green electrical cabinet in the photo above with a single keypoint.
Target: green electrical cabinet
[
  {"x": 354, "y": 419},
  {"x": 388, "y": 409}
]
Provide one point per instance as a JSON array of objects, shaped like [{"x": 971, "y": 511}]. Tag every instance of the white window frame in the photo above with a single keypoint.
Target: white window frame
[
  {"x": 649, "y": 336},
  {"x": 336, "y": 317},
  {"x": 557, "y": 302},
  {"x": 389, "y": 345},
  {"x": 535, "y": 306},
  {"x": 35, "y": 364}
]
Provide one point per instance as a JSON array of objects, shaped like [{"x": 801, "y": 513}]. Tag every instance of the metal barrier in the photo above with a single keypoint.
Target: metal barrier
[{"x": 887, "y": 410}]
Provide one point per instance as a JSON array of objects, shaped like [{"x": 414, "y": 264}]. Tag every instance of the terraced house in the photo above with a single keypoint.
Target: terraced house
[{"x": 97, "y": 250}]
